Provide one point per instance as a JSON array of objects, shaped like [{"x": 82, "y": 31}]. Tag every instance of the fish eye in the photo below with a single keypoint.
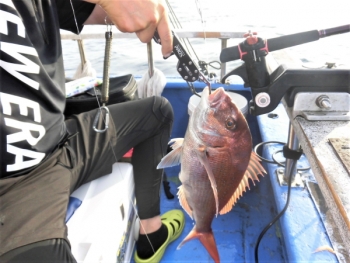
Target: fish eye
[{"x": 230, "y": 123}]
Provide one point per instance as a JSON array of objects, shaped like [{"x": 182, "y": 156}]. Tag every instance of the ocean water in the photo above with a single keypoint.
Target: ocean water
[{"x": 270, "y": 18}]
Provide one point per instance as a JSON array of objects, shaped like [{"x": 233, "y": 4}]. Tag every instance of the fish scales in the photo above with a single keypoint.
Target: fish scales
[
  {"x": 216, "y": 163},
  {"x": 204, "y": 196}
]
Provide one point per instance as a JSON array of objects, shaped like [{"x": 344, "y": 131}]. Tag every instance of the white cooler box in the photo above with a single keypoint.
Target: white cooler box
[{"x": 102, "y": 228}]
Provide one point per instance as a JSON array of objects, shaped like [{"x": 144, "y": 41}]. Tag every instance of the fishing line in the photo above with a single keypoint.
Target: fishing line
[
  {"x": 176, "y": 24},
  {"x": 204, "y": 65},
  {"x": 199, "y": 9},
  {"x": 75, "y": 19},
  {"x": 110, "y": 143},
  {"x": 186, "y": 42}
]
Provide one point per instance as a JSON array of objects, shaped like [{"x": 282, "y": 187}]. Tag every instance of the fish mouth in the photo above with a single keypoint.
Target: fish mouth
[
  {"x": 205, "y": 97},
  {"x": 217, "y": 96}
]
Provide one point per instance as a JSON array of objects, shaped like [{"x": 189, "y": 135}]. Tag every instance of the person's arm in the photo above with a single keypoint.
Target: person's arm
[
  {"x": 140, "y": 16},
  {"x": 97, "y": 17}
]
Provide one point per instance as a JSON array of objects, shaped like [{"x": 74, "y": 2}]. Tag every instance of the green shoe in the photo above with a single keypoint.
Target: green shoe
[{"x": 174, "y": 220}]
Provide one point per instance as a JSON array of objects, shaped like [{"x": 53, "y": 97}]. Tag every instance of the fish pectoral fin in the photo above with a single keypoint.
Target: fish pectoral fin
[
  {"x": 183, "y": 201},
  {"x": 202, "y": 156},
  {"x": 208, "y": 241},
  {"x": 171, "y": 159},
  {"x": 253, "y": 170},
  {"x": 176, "y": 142}
]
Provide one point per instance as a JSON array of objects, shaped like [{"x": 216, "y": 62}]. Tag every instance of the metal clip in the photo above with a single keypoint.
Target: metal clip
[
  {"x": 108, "y": 24},
  {"x": 97, "y": 117}
]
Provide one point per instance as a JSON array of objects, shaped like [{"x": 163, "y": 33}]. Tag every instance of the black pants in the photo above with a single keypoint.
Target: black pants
[
  {"x": 33, "y": 206},
  {"x": 47, "y": 251}
]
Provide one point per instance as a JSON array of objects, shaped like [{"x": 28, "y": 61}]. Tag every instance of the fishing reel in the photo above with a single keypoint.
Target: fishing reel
[{"x": 268, "y": 89}]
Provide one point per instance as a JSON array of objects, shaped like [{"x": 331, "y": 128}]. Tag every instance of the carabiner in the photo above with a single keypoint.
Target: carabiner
[{"x": 105, "y": 120}]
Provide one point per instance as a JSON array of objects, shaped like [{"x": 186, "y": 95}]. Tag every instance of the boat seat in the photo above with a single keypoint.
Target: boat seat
[
  {"x": 73, "y": 204},
  {"x": 101, "y": 219}
]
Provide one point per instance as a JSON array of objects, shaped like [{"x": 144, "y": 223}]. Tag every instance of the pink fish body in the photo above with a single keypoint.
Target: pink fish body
[{"x": 216, "y": 162}]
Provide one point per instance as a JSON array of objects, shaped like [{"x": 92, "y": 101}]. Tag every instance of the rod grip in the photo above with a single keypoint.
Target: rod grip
[
  {"x": 229, "y": 54},
  {"x": 232, "y": 53},
  {"x": 292, "y": 40}
]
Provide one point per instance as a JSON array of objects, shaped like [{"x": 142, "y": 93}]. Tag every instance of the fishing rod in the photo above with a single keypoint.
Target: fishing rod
[{"x": 273, "y": 44}]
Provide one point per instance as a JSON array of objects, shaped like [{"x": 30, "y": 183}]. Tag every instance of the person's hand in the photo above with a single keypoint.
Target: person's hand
[{"x": 142, "y": 17}]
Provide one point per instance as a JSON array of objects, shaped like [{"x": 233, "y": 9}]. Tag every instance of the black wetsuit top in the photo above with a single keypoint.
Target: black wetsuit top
[{"x": 32, "y": 94}]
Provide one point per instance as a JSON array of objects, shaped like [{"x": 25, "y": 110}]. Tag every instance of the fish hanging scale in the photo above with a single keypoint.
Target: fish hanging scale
[
  {"x": 105, "y": 83},
  {"x": 106, "y": 65}
]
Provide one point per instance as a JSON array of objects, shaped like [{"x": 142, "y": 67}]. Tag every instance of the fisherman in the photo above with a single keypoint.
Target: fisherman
[{"x": 44, "y": 157}]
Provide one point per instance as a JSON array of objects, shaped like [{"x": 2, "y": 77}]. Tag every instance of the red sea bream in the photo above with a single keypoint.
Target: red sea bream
[{"x": 216, "y": 163}]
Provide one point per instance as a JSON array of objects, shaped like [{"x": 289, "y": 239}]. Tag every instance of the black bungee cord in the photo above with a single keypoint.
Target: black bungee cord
[
  {"x": 273, "y": 221},
  {"x": 256, "y": 250}
]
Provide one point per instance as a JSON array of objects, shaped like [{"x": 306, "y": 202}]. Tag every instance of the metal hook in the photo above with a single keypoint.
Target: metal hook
[
  {"x": 109, "y": 25},
  {"x": 204, "y": 79},
  {"x": 193, "y": 90},
  {"x": 97, "y": 117}
]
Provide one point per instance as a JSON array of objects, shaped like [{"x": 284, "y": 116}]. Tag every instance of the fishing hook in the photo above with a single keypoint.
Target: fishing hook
[{"x": 193, "y": 90}]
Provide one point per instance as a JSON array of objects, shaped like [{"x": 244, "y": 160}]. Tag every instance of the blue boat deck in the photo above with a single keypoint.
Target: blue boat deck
[
  {"x": 301, "y": 224},
  {"x": 293, "y": 238}
]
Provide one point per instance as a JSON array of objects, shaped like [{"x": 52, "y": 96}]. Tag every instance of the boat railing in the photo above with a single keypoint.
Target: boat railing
[{"x": 223, "y": 36}]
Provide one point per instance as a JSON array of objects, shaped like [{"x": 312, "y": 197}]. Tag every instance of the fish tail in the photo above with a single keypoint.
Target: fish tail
[{"x": 208, "y": 241}]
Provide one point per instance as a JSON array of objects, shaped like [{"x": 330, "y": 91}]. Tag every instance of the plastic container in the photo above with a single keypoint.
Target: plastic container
[{"x": 102, "y": 228}]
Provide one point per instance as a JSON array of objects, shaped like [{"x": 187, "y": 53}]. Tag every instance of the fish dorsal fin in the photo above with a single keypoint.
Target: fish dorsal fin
[
  {"x": 202, "y": 156},
  {"x": 174, "y": 157},
  {"x": 183, "y": 201},
  {"x": 253, "y": 170}
]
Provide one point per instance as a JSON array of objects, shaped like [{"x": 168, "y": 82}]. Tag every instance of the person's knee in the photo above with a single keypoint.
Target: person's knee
[{"x": 163, "y": 110}]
